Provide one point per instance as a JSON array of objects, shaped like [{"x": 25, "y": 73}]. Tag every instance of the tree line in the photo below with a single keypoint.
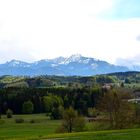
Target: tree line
[{"x": 46, "y": 100}]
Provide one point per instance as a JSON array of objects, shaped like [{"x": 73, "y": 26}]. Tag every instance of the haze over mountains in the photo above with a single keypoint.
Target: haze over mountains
[{"x": 73, "y": 65}]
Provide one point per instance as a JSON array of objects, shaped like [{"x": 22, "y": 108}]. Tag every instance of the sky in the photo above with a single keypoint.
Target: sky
[{"x": 109, "y": 30}]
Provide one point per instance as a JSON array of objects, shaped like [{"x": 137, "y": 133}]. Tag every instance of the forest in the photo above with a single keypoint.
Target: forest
[{"x": 79, "y": 92}]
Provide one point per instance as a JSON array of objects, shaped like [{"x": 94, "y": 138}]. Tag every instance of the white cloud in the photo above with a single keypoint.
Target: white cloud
[
  {"x": 129, "y": 62},
  {"x": 37, "y": 29},
  {"x": 12, "y": 50}
]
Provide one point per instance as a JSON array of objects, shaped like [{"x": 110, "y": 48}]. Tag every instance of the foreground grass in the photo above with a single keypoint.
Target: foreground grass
[
  {"x": 44, "y": 129},
  {"x": 42, "y": 126},
  {"x": 131, "y": 134}
]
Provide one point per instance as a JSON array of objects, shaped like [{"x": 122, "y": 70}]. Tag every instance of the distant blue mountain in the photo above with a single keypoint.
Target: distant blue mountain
[{"x": 73, "y": 65}]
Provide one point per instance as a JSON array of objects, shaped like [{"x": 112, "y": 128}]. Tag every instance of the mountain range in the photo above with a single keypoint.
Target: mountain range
[{"x": 73, "y": 65}]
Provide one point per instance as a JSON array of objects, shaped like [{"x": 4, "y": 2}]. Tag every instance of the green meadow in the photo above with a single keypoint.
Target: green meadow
[
  {"x": 40, "y": 127},
  {"x": 133, "y": 134}
]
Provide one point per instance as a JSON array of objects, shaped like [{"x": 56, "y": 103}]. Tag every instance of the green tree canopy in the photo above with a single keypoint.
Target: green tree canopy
[
  {"x": 28, "y": 107},
  {"x": 69, "y": 117}
]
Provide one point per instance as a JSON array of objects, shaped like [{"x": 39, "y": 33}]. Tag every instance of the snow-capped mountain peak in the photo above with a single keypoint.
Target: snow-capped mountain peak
[
  {"x": 58, "y": 60},
  {"x": 73, "y": 58},
  {"x": 17, "y": 63},
  {"x": 73, "y": 65}
]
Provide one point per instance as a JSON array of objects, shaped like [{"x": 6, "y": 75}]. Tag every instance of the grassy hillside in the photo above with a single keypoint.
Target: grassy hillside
[
  {"x": 127, "y": 78},
  {"x": 55, "y": 81},
  {"x": 133, "y": 134}
]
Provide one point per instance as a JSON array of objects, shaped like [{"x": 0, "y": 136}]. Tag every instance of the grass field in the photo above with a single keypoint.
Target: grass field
[
  {"x": 42, "y": 126},
  {"x": 44, "y": 129},
  {"x": 133, "y": 134}
]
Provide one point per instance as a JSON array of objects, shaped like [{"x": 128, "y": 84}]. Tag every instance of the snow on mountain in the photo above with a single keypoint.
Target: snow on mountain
[
  {"x": 73, "y": 65},
  {"x": 58, "y": 60},
  {"x": 75, "y": 58},
  {"x": 17, "y": 63}
]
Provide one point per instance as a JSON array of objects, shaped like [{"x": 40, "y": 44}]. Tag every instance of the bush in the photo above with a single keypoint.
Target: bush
[
  {"x": 9, "y": 113},
  {"x": 19, "y": 120},
  {"x": 97, "y": 126},
  {"x": 32, "y": 121},
  {"x": 60, "y": 129},
  {"x": 80, "y": 124}
]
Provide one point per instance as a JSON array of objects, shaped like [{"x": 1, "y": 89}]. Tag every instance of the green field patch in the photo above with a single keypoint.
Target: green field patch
[
  {"x": 132, "y": 134},
  {"x": 42, "y": 126}
]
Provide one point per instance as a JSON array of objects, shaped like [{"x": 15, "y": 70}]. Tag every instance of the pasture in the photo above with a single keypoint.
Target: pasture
[
  {"x": 40, "y": 127},
  {"x": 36, "y": 125}
]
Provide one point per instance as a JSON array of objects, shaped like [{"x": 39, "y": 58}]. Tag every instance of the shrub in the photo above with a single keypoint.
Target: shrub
[
  {"x": 9, "y": 113},
  {"x": 79, "y": 124},
  {"x": 32, "y": 121},
  {"x": 60, "y": 129},
  {"x": 19, "y": 120}
]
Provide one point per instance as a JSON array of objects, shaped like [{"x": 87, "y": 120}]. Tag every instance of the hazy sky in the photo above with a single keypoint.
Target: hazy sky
[{"x": 38, "y": 29}]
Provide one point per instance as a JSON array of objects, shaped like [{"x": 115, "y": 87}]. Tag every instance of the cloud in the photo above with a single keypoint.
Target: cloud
[
  {"x": 12, "y": 50},
  {"x": 138, "y": 38},
  {"x": 47, "y": 28},
  {"x": 129, "y": 62},
  {"x": 40, "y": 29}
]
